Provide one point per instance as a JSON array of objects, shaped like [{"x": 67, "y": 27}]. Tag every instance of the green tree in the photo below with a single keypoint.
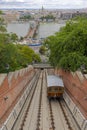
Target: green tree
[
  {"x": 26, "y": 17},
  {"x": 42, "y": 50},
  {"x": 47, "y": 17},
  {"x": 28, "y": 55},
  {"x": 14, "y": 37},
  {"x": 68, "y": 48},
  {"x": 8, "y": 56},
  {"x": 13, "y": 57}
]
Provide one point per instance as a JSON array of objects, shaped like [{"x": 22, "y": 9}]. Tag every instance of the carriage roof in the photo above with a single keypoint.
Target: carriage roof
[{"x": 53, "y": 80}]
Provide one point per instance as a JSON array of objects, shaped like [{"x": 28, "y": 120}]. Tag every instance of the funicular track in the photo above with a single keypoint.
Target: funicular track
[
  {"x": 62, "y": 105},
  {"x": 60, "y": 115},
  {"x": 30, "y": 113},
  {"x": 23, "y": 114},
  {"x": 27, "y": 110},
  {"x": 41, "y": 113},
  {"x": 45, "y": 119}
]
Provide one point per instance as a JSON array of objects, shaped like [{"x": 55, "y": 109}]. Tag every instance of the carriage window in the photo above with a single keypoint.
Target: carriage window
[
  {"x": 60, "y": 88},
  {"x": 56, "y": 89},
  {"x": 49, "y": 89}
]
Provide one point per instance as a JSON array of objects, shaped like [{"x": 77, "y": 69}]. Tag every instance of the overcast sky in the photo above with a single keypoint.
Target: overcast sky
[{"x": 45, "y": 3}]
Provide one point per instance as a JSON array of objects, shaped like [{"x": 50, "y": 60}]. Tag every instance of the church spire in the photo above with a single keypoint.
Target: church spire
[{"x": 42, "y": 8}]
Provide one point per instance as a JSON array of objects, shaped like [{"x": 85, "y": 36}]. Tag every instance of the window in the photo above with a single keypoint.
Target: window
[
  {"x": 56, "y": 89},
  {"x": 49, "y": 89}
]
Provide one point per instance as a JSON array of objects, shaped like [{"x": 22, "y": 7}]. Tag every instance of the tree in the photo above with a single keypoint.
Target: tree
[
  {"x": 27, "y": 55},
  {"x": 26, "y": 17},
  {"x": 68, "y": 48},
  {"x": 42, "y": 50},
  {"x": 47, "y": 17},
  {"x": 16, "y": 57},
  {"x": 13, "y": 57},
  {"x": 8, "y": 56},
  {"x": 14, "y": 37}
]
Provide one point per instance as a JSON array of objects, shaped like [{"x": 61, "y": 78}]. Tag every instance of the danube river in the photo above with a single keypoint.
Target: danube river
[
  {"x": 20, "y": 29},
  {"x": 44, "y": 30},
  {"x": 47, "y": 29}
]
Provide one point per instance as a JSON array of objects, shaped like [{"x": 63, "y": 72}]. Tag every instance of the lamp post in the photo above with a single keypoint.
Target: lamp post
[{"x": 7, "y": 68}]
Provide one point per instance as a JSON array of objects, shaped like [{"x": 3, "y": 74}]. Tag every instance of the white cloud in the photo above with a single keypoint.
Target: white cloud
[
  {"x": 47, "y": 3},
  {"x": 13, "y": 0}
]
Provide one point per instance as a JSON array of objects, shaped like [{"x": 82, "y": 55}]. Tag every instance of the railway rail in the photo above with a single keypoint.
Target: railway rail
[
  {"x": 40, "y": 113},
  {"x": 23, "y": 114}
]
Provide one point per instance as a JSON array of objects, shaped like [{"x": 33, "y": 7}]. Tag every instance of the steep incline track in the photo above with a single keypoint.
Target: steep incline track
[{"x": 40, "y": 113}]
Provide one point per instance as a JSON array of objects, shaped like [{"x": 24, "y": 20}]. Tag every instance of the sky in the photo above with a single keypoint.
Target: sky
[{"x": 48, "y": 4}]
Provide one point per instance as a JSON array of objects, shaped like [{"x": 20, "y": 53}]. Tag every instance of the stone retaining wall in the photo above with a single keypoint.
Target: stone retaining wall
[
  {"x": 12, "y": 86},
  {"x": 76, "y": 87}
]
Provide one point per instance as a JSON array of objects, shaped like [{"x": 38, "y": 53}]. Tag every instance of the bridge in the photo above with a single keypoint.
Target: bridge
[
  {"x": 42, "y": 66},
  {"x": 32, "y": 30}
]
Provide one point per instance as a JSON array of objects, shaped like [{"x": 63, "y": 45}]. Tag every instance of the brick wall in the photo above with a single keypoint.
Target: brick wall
[
  {"x": 76, "y": 87},
  {"x": 11, "y": 88}
]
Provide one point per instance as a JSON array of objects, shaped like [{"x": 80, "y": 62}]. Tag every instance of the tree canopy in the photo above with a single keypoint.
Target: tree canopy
[
  {"x": 42, "y": 50},
  {"x": 68, "y": 47},
  {"x": 14, "y": 56},
  {"x": 47, "y": 17},
  {"x": 26, "y": 17}
]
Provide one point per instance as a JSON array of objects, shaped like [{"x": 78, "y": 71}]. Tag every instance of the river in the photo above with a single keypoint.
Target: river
[
  {"x": 44, "y": 30},
  {"x": 20, "y": 29},
  {"x": 47, "y": 29}
]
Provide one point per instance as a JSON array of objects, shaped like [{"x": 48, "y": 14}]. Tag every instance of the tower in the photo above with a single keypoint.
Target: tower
[{"x": 42, "y": 8}]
